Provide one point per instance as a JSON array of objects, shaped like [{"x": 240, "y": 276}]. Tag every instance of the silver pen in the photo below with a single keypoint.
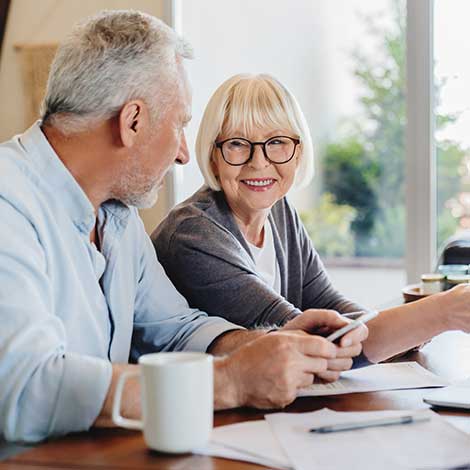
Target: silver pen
[{"x": 408, "y": 419}]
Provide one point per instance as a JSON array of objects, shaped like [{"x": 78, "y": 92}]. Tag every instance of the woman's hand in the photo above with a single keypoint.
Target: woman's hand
[{"x": 454, "y": 308}]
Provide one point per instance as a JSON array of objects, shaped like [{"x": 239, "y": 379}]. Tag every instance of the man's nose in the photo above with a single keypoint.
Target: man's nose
[{"x": 183, "y": 153}]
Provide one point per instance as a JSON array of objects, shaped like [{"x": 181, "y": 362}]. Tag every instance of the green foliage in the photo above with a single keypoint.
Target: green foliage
[
  {"x": 388, "y": 237},
  {"x": 446, "y": 227},
  {"x": 329, "y": 225},
  {"x": 349, "y": 157},
  {"x": 366, "y": 169},
  {"x": 449, "y": 157}
]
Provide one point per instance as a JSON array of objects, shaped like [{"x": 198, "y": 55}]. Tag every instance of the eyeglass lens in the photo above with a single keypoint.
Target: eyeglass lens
[{"x": 278, "y": 150}]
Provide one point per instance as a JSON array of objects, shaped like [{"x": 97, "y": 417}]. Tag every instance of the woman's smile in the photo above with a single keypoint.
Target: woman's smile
[{"x": 258, "y": 184}]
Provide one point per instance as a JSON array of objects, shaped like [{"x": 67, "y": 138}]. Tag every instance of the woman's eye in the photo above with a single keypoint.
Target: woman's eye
[{"x": 237, "y": 143}]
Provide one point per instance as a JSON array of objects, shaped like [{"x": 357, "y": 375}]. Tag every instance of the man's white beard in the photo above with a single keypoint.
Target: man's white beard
[
  {"x": 135, "y": 189},
  {"x": 143, "y": 201}
]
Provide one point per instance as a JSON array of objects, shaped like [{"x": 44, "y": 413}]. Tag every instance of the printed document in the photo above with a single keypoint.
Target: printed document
[{"x": 378, "y": 377}]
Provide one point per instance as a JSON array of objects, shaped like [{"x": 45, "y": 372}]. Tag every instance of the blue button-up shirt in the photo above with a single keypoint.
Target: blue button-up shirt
[{"x": 68, "y": 310}]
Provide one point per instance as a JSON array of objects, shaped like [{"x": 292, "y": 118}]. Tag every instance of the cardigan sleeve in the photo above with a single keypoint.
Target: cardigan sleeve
[{"x": 210, "y": 268}]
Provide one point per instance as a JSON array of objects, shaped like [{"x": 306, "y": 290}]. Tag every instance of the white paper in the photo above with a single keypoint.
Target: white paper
[
  {"x": 424, "y": 445},
  {"x": 251, "y": 441},
  {"x": 218, "y": 450},
  {"x": 390, "y": 376}
]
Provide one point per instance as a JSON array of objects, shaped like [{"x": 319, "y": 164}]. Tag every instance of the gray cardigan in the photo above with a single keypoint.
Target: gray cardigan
[{"x": 206, "y": 256}]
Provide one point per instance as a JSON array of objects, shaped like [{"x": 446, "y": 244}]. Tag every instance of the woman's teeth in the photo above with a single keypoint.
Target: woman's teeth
[{"x": 259, "y": 182}]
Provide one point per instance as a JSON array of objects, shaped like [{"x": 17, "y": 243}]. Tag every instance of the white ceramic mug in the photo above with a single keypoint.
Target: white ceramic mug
[{"x": 177, "y": 400}]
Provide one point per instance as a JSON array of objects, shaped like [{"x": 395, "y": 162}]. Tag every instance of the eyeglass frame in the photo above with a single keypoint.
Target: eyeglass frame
[{"x": 220, "y": 143}]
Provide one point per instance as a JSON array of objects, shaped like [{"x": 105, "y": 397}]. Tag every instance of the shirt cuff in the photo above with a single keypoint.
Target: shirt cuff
[
  {"x": 203, "y": 337},
  {"x": 84, "y": 386}
]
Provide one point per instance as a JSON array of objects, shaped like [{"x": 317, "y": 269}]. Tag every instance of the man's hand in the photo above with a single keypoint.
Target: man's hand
[
  {"x": 267, "y": 372},
  {"x": 317, "y": 321},
  {"x": 324, "y": 322}
]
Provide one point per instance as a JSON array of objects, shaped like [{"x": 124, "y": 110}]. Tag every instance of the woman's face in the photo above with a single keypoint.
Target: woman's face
[{"x": 253, "y": 188}]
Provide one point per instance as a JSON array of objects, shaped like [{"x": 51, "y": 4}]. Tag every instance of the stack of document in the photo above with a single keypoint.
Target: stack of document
[
  {"x": 429, "y": 443},
  {"x": 283, "y": 440},
  {"x": 251, "y": 441}
]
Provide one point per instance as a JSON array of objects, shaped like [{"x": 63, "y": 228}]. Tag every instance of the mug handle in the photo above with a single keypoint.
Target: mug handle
[{"x": 117, "y": 418}]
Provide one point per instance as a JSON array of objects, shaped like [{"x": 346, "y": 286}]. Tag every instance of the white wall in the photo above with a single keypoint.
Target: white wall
[
  {"x": 44, "y": 21},
  {"x": 49, "y": 21},
  {"x": 305, "y": 43}
]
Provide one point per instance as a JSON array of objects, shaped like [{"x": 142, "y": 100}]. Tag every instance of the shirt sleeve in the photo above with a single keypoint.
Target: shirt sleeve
[
  {"x": 163, "y": 320},
  {"x": 45, "y": 390},
  {"x": 208, "y": 266}
]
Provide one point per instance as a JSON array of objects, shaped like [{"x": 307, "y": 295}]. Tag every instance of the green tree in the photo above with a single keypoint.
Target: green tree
[
  {"x": 329, "y": 224},
  {"x": 349, "y": 157},
  {"x": 370, "y": 162},
  {"x": 449, "y": 156}
]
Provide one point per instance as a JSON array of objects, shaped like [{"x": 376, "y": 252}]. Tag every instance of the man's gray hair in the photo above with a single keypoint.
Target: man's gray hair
[{"x": 109, "y": 59}]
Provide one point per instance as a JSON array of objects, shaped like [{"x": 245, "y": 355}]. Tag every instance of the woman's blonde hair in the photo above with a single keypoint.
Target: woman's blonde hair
[{"x": 247, "y": 102}]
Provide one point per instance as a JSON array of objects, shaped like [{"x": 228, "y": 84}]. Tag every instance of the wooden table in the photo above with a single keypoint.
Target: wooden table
[{"x": 447, "y": 355}]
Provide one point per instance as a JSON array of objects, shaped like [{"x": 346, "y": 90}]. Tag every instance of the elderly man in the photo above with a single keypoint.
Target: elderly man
[{"x": 81, "y": 291}]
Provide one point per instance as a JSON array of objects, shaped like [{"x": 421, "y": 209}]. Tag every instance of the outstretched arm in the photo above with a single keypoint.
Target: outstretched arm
[{"x": 401, "y": 328}]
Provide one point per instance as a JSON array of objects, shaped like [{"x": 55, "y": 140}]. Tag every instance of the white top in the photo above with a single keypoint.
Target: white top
[{"x": 266, "y": 260}]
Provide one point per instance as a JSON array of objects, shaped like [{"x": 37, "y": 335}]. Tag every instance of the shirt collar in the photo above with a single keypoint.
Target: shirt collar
[{"x": 49, "y": 166}]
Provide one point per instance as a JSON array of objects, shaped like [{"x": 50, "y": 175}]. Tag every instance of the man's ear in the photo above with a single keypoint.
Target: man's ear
[{"x": 133, "y": 119}]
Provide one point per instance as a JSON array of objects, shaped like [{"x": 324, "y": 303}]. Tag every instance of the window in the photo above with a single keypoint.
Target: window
[
  {"x": 348, "y": 72},
  {"x": 452, "y": 78}
]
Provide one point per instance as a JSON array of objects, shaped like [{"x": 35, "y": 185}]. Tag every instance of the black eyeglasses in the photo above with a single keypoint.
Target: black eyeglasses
[{"x": 238, "y": 151}]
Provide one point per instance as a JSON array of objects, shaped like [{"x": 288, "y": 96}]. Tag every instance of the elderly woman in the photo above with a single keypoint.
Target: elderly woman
[{"x": 237, "y": 247}]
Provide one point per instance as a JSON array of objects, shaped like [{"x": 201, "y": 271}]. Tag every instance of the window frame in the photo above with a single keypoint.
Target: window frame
[{"x": 420, "y": 163}]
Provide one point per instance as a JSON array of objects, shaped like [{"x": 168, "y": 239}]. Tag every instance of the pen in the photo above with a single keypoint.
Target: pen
[{"x": 370, "y": 424}]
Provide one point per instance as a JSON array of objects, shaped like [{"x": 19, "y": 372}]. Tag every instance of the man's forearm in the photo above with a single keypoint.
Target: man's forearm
[
  {"x": 231, "y": 340},
  {"x": 131, "y": 407}
]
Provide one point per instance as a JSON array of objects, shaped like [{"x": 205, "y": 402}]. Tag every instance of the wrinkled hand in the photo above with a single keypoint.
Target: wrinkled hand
[
  {"x": 325, "y": 322},
  {"x": 317, "y": 321},
  {"x": 268, "y": 371}
]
